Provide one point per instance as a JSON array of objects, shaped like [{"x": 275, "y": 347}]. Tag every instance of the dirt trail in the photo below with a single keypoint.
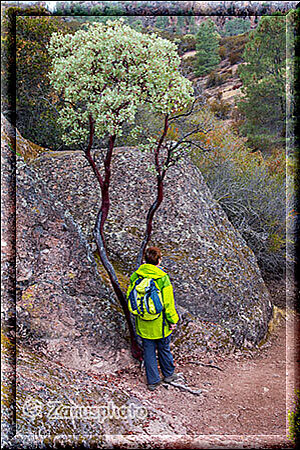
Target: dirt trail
[{"x": 248, "y": 399}]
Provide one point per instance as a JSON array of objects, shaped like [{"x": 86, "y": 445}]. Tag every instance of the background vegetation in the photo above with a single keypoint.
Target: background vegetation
[
  {"x": 264, "y": 84},
  {"x": 251, "y": 189}
]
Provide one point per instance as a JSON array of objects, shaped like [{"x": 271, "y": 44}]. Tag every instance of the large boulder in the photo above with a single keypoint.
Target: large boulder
[{"x": 215, "y": 275}]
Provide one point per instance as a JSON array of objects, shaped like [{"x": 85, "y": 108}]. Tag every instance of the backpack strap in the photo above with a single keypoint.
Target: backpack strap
[{"x": 132, "y": 297}]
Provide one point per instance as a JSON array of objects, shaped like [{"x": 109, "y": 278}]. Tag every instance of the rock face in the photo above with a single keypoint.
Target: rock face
[
  {"x": 215, "y": 275},
  {"x": 63, "y": 307}
]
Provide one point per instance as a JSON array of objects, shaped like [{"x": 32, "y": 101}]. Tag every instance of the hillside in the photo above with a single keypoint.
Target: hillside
[{"x": 230, "y": 87}]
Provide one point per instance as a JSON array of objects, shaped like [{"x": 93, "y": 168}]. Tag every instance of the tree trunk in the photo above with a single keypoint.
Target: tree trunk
[
  {"x": 150, "y": 215},
  {"x": 100, "y": 239},
  {"x": 161, "y": 172},
  {"x": 135, "y": 348}
]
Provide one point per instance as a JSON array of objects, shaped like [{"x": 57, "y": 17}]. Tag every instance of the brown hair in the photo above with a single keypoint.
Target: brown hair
[{"x": 152, "y": 255}]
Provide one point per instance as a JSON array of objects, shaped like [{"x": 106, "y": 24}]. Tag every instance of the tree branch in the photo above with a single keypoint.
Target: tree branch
[
  {"x": 204, "y": 365},
  {"x": 188, "y": 113},
  {"x": 99, "y": 234},
  {"x": 157, "y": 150},
  {"x": 88, "y": 155},
  {"x": 183, "y": 387},
  {"x": 159, "y": 194}
]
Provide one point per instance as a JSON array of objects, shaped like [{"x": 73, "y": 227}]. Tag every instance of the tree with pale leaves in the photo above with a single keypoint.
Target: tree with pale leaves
[{"x": 104, "y": 74}]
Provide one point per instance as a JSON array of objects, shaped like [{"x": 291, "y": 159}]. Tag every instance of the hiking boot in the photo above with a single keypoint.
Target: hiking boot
[
  {"x": 173, "y": 377},
  {"x": 152, "y": 387}
]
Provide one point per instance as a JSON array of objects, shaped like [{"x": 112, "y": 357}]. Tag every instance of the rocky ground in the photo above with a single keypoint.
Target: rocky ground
[{"x": 242, "y": 399}]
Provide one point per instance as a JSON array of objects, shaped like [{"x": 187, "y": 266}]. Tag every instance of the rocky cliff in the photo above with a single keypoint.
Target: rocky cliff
[
  {"x": 63, "y": 307},
  {"x": 70, "y": 332}
]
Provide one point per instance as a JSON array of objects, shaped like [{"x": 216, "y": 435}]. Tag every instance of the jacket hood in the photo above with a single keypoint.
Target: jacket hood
[{"x": 150, "y": 271}]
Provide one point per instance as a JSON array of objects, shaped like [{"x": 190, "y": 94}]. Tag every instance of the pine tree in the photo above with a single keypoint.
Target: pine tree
[
  {"x": 207, "y": 48},
  {"x": 236, "y": 26},
  {"x": 162, "y": 22},
  {"x": 264, "y": 80}
]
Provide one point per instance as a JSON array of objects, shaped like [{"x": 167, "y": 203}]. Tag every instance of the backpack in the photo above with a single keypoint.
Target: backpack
[{"x": 145, "y": 299}]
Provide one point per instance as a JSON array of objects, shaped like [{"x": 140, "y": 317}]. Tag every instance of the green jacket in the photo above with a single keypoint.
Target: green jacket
[{"x": 153, "y": 329}]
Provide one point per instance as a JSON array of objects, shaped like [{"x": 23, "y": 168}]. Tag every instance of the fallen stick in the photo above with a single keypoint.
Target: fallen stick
[
  {"x": 184, "y": 388},
  {"x": 205, "y": 365}
]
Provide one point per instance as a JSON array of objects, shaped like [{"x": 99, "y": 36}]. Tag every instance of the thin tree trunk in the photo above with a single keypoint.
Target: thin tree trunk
[
  {"x": 99, "y": 233},
  {"x": 154, "y": 207},
  {"x": 161, "y": 171},
  {"x": 135, "y": 348}
]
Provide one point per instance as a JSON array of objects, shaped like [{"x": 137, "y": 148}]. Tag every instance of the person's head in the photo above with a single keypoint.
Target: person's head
[{"x": 153, "y": 256}]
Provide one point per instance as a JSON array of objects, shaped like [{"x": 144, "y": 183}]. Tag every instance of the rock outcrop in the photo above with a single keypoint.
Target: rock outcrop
[
  {"x": 63, "y": 309},
  {"x": 57, "y": 385},
  {"x": 215, "y": 274},
  {"x": 66, "y": 307}
]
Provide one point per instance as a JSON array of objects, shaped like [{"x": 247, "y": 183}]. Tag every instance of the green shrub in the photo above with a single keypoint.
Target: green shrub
[
  {"x": 233, "y": 47},
  {"x": 235, "y": 57},
  {"x": 263, "y": 75},
  {"x": 187, "y": 66},
  {"x": 222, "y": 52},
  {"x": 221, "y": 108},
  {"x": 267, "y": 142},
  {"x": 207, "y": 48},
  {"x": 237, "y": 26},
  {"x": 214, "y": 79},
  {"x": 251, "y": 189},
  {"x": 187, "y": 43},
  {"x": 294, "y": 421}
]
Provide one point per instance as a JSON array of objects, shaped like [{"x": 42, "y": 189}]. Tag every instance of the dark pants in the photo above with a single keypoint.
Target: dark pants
[{"x": 164, "y": 356}]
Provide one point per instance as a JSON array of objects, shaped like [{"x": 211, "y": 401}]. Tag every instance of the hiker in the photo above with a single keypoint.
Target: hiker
[{"x": 156, "y": 319}]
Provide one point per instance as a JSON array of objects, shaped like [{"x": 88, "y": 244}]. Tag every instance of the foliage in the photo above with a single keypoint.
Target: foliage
[
  {"x": 162, "y": 22},
  {"x": 35, "y": 101},
  {"x": 264, "y": 80},
  {"x": 185, "y": 24},
  {"x": 8, "y": 52},
  {"x": 220, "y": 108},
  {"x": 294, "y": 420},
  {"x": 251, "y": 190},
  {"x": 238, "y": 25},
  {"x": 96, "y": 15},
  {"x": 187, "y": 43},
  {"x": 76, "y": 8},
  {"x": 216, "y": 79},
  {"x": 107, "y": 71},
  {"x": 187, "y": 66},
  {"x": 207, "y": 47},
  {"x": 233, "y": 47},
  {"x": 222, "y": 52}
]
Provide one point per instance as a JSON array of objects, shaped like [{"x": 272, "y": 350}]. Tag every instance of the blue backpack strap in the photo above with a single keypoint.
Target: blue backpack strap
[
  {"x": 163, "y": 323},
  {"x": 132, "y": 295},
  {"x": 155, "y": 297}
]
